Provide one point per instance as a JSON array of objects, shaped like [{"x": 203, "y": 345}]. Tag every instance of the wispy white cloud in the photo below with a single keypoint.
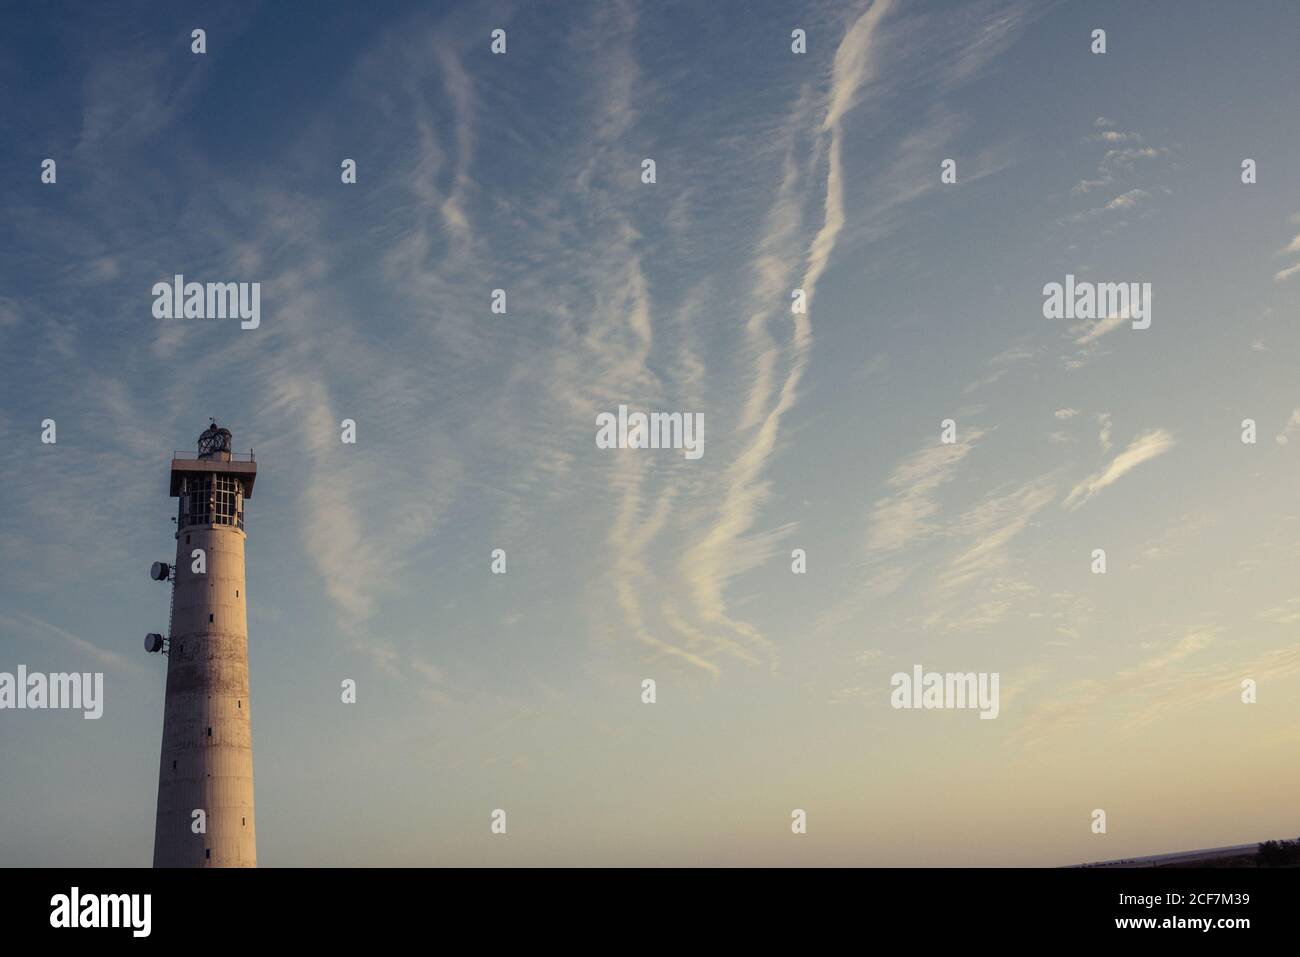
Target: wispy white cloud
[
  {"x": 1156, "y": 687},
  {"x": 990, "y": 379},
  {"x": 1145, "y": 447},
  {"x": 992, "y": 524},
  {"x": 905, "y": 516},
  {"x": 713, "y": 559},
  {"x": 1103, "y": 436},
  {"x": 1081, "y": 701},
  {"x": 1189, "y": 644},
  {"x": 1013, "y": 354},
  {"x": 1288, "y": 613},
  {"x": 1118, "y": 161},
  {"x": 1282, "y": 275},
  {"x": 1124, "y": 201},
  {"x": 1100, "y": 327},
  {"x": 19, "y": 625},
  {"x": 1293, "y": 423}
]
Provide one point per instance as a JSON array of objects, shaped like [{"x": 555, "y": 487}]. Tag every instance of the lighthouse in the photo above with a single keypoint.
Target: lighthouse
[{"x": 205, "y": 775}]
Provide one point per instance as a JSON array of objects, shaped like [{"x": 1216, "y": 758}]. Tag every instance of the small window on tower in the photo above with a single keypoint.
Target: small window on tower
[
  {"x": 209, "y": 732},
  {"x": 239, "y": 704},
  {"x": 209, "y": 617},
  {"x": 173, "y": 765},
  {"x": 236, "y": 592},
  {"x": 207, "y": 853},
  {"x": 187, "y": 539},
  {"x": 243, "y": 821}
]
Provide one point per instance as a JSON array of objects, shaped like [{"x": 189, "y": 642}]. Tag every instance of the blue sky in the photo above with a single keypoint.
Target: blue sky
[{"x": 475, "y": 431}]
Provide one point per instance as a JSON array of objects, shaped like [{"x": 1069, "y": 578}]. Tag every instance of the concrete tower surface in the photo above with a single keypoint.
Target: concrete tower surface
[{"x": 207, "y": 740}]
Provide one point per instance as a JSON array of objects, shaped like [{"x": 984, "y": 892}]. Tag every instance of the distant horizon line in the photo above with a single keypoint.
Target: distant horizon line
[{"x": 1192, "y": 854}]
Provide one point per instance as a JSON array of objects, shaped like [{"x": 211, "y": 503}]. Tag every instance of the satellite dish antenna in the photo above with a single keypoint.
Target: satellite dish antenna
[
  {"x": 153, "y": 642},
  {"x": 159, "y": 571}
]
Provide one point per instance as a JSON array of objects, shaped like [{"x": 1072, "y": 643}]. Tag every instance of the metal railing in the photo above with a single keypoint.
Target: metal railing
[{"x": 234, "y": 456}]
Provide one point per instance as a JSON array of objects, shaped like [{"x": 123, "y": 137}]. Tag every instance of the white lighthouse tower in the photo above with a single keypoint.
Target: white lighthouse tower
[{"x": 207, "y": 739}]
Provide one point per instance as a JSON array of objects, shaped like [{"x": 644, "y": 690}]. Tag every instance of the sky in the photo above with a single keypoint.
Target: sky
[{"x": 823, "y": 431}]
